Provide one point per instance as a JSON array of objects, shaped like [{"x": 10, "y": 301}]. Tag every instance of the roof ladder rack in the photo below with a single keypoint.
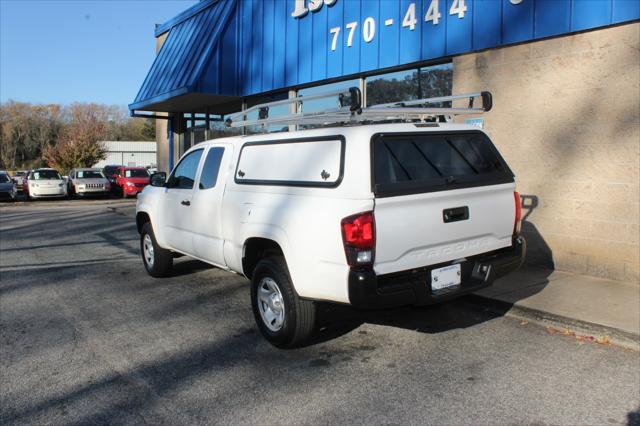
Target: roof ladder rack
[
  {"x": 348, "y": 102},
  {"x": 349, "y": 110}
]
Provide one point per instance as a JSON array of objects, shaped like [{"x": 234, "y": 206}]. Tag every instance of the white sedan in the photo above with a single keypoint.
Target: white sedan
[{"x": 45, "y": 183}]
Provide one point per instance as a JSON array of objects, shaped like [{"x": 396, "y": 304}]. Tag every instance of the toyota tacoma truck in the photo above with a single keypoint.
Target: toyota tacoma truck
[{"x": 374, "y": 216}]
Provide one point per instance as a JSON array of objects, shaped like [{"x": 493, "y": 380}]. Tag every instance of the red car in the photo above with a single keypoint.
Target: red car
[{"x": 130, "y": 180}]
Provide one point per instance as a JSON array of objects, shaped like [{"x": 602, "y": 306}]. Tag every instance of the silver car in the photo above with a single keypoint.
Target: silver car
[
  {"x": 7, "y": 187},
  {"x": 88, "y": 182}
]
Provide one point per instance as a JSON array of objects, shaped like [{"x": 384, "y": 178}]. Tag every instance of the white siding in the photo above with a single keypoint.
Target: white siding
[
  {"x": 129, "y": 153},
  {"x": 130, "y": 146}
]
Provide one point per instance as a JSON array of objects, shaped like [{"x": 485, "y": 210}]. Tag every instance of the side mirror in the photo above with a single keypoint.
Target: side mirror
[{"x": 158, "y": 179}]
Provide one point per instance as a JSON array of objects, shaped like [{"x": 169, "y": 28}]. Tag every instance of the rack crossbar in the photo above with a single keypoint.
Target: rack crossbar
[
  {"x": 426, "y": 100},
  {"x": 299, "y": 100},
  {"x": 349, "y": 109}
]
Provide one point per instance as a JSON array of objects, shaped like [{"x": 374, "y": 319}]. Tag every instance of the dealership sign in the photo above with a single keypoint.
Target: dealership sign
[
  {"x": 296, "y": 42},
  {"x": 302, "y": 8},
  {"x": 412, "y": 16}
]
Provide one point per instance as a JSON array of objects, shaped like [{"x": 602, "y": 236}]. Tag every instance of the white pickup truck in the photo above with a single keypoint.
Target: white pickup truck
[{"x": 377, "y": 215}]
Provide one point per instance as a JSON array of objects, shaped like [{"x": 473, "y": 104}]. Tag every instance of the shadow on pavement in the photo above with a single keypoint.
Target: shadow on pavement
[
  {"x": 121, "y": 397},
  {"x": 337, "y": 320},
  {"x": 189, "y": 266}
]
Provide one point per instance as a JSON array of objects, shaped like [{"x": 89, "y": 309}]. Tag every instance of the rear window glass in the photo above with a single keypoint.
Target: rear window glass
[
  {"x": 209, "y": 174},
  {"x": 414, "y": 163}
]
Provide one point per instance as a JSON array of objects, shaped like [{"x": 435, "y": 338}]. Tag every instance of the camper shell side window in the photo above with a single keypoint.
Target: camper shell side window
[{"x": 304, "y": 162}]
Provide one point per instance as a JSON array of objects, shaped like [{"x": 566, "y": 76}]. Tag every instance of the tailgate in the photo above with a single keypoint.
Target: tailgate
[
  {"x": 439, "y": 196},
  {"x": 411, "y": 230}
]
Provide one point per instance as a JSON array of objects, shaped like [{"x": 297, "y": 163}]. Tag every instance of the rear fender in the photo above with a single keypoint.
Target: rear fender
[{"x": 273, "y": 233}]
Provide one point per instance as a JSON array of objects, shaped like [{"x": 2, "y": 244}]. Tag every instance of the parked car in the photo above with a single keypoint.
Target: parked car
[
  {"x": 87, "y": 182},
  {"x": 375, "y": 216},
  {"x": 109, "y": 172},
  {"x": 18, "y": 178},
  {"x": 7, "y": 187},
  {"x": 131, "y": 180},
  {"x": 44, "y": 183}
]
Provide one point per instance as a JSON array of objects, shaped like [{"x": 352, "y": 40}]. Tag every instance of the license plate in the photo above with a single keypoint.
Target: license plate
[{"x": 448, "y": 276}]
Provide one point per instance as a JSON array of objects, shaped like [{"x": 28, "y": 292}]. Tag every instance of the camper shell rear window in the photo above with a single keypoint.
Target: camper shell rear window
[
  {"x": 413, "y": 163},
  {"x": 311, "y": 162}
]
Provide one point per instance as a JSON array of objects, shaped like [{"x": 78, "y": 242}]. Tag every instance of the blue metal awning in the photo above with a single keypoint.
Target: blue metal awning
[
  {"x": 219, "y": 51},
  {"x": 183, "y": 59}
]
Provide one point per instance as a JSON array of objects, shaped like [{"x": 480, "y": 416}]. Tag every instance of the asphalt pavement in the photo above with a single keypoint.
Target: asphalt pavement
[{"x": 86, "y": 337}]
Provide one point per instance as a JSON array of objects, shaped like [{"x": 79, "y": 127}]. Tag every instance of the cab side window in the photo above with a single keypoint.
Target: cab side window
[
  {"x": 211, "y": 167},
  {"x": 184, "y": 175}
]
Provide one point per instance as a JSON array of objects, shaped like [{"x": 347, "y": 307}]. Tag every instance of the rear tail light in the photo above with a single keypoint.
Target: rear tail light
[
  {"x": 359, "y": 238},
  {"x": 518, "y": 220}
]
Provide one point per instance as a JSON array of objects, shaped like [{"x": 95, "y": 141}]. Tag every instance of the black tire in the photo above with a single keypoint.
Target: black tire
[
  {"x": 162, "y": 263},
  {"x": 299, "y": 315}
]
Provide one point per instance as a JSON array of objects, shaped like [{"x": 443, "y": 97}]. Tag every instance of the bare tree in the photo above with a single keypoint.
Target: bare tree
[
  {"x": 14, "y": 118},
  {"x": 78, "y": 145}
]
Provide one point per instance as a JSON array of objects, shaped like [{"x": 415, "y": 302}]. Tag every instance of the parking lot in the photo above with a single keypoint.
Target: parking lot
[{"x": 86, "y": 336}]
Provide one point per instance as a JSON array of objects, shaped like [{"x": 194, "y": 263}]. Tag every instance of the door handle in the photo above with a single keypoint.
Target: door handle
[
  {"x": 185, "y": 202},
  {"x": 455, "y": 214}
]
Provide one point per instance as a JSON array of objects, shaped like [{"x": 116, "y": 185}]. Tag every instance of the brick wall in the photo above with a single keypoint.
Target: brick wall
[{"x": 567, "y": 119}]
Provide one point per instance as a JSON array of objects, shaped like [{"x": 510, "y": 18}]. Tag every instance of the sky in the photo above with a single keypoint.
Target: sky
[{"x": 64, "y": 51}]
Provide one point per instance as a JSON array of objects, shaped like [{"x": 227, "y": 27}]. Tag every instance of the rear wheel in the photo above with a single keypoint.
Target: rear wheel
[
  {"x": 284, "y": 319},
  {"x": 157, "y": 261}
]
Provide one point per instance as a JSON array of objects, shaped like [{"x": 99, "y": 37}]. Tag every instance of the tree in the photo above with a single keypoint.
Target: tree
[
  {"x": 27, "y": 131},
  {"x": 45, "y": 126},
  {"x": 78, "y": 145},
  {"x": 13, "y": 132}
]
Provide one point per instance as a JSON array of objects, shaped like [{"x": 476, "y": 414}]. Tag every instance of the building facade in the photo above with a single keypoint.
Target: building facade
[
  {"x": 565, "y": 79},
  {"x": 129, "y": 153}
]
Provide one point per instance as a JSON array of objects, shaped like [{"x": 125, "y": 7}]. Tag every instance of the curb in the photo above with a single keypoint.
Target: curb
[{"x": 561, "y": 324}]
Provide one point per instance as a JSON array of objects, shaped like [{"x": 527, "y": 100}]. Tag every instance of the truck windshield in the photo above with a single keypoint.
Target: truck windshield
[
  {"x": 46, "y": 175},
  {"x": 136, "y": 173},
  {"x": 415, "y": 163},
  {"x": 4, "y": 178},
  {"x": 89, "y": 174}
]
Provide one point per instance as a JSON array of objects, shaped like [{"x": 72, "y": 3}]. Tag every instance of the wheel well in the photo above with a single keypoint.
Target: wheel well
[
  {"x": 254, "y": 250},
  {"x": 141, "y": 219}
]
